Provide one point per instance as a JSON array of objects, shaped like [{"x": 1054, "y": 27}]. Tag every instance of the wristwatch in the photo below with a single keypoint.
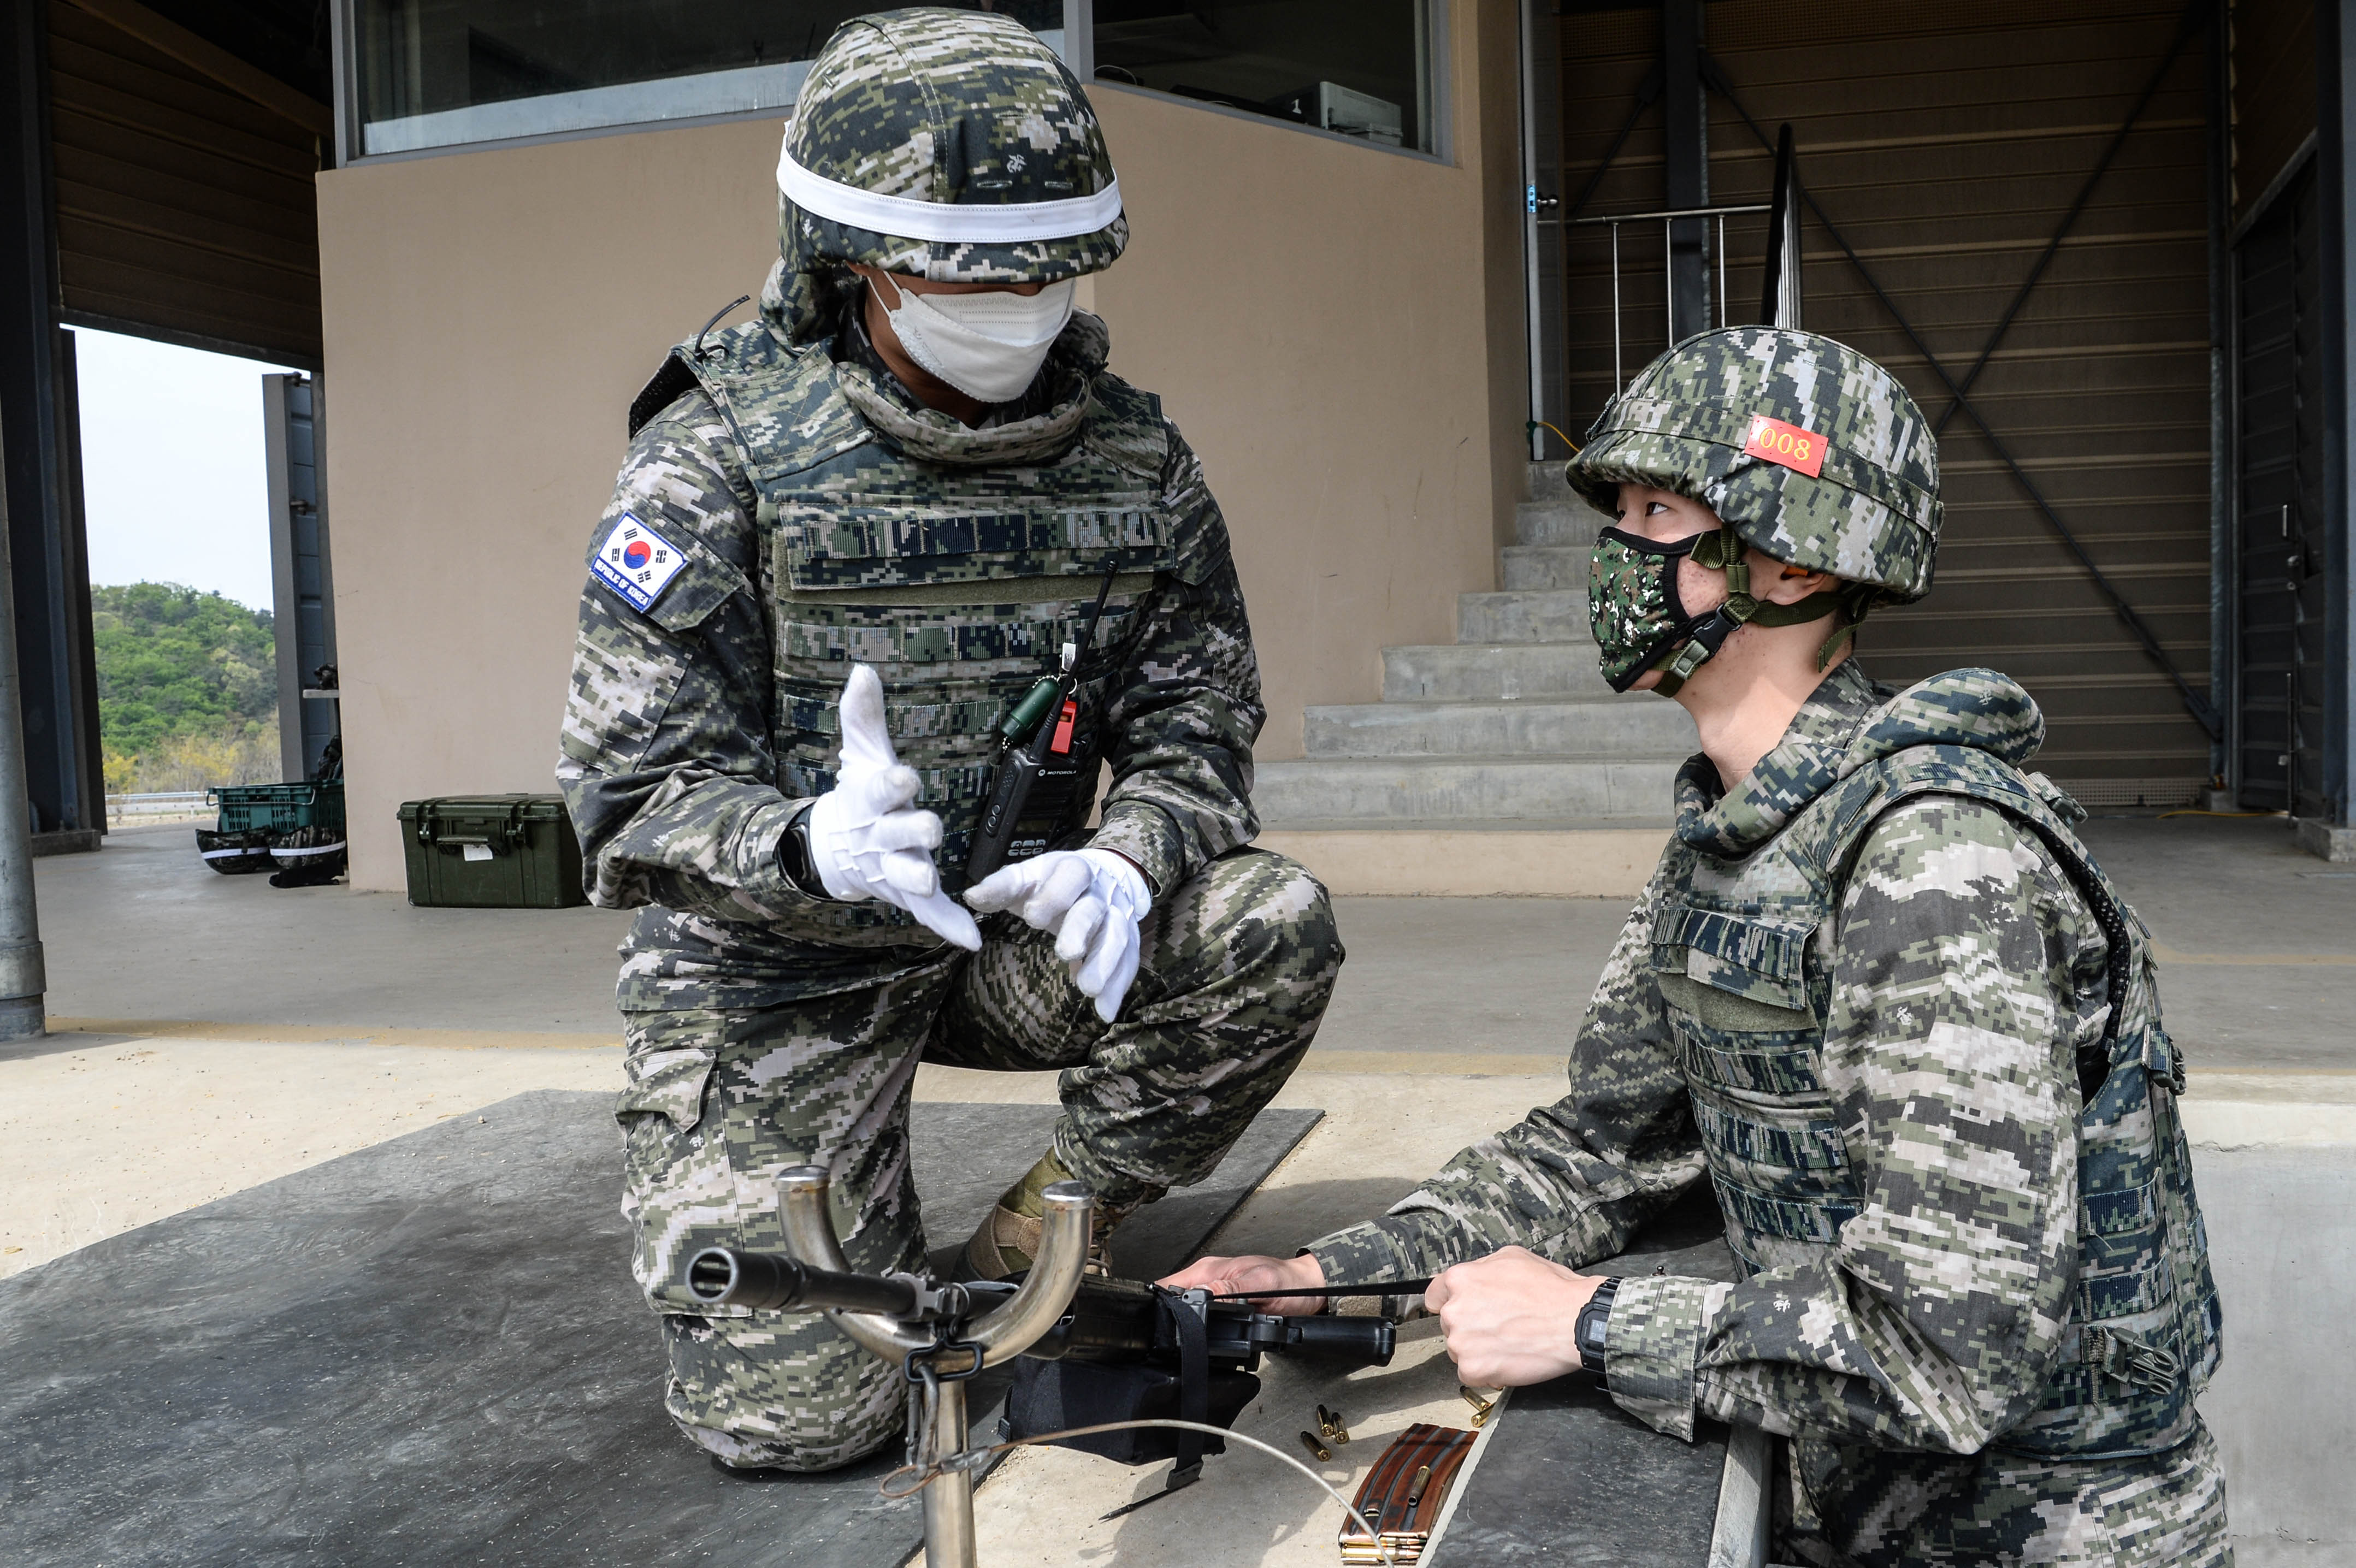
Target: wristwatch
[
  {"x": 794, "y": 857},
  {"x": 1594, "y": 1323}
]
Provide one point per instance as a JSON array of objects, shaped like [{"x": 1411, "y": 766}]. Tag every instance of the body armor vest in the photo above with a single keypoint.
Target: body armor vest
[
  {"x": 958, "y": 583},
  {"x": 1743, "y": 959}
]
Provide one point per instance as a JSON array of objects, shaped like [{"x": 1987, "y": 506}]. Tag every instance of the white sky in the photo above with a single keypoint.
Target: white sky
[{"x": 172, "y": 471}]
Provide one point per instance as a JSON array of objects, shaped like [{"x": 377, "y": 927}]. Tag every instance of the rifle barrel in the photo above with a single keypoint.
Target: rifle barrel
[
  {"x": 1360, "y": 1341},
  {"x": 776, "y": 1281}
]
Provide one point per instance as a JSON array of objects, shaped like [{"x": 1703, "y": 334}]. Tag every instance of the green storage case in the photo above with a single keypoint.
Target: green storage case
[
  {"x": 280, "y": 807},
  {"x": 491, "y": 851}
]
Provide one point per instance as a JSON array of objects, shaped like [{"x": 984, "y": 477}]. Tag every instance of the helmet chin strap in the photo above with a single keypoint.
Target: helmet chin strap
[{"x": 1725, "y": 550}]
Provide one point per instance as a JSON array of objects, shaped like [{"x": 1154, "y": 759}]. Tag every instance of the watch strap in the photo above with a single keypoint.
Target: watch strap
[
  {"x": 794, "y": 857},
  {"x": 1593, "y": 1327}
]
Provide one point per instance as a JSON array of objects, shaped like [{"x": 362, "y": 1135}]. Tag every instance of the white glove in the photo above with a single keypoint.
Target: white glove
[
  {"x": 865, "y": 840},
  {"x": 1092, "y": 901}
]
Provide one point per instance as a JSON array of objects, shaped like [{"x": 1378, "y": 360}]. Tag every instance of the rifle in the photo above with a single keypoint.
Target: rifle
[
  {"x": 1110, "y": 1322},
  {"x": 1122, "y": 1351}
]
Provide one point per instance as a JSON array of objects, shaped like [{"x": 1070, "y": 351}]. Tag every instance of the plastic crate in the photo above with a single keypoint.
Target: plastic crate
[
  {"x": 491, "y": 851},
  {"x": 279, "y": 807}
]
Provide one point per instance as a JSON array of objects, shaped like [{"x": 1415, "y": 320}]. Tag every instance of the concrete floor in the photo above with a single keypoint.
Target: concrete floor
[
  {"x": 2257, "y": 940},
  {"x": 2258, "y": 953},
  {"x": 230, "y": 1032},
  {"x": 141, "y": 930}
]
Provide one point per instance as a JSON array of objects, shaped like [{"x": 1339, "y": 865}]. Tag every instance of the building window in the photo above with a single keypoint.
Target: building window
[
  {"x": 1357, "y": 68},
  {"x": 446, "y": 73}
]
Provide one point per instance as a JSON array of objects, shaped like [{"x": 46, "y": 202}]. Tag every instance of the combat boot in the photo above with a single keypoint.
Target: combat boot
[{"x": 1008, "y": 1241}]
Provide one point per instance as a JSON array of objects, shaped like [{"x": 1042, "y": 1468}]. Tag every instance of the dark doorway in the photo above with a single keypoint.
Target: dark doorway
[{"x": 2278, "y": 505}]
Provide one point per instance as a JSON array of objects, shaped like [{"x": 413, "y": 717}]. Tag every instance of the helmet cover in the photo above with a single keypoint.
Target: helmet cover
[
  {"x": 945, "y": 145},
  {"x": 1807, "y": 449}
]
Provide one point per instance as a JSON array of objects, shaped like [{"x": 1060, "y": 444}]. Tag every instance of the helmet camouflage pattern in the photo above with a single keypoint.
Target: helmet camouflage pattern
[
  {"x": 1691, "y": 422},
  {"x": 967, "y": 113}
]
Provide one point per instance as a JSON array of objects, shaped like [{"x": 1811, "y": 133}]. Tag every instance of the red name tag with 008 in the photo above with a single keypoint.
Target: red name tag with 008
[{"x": 1802, "y": 451}]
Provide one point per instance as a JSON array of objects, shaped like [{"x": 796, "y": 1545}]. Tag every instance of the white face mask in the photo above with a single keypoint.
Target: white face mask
[{"x": 987, "y": 345}]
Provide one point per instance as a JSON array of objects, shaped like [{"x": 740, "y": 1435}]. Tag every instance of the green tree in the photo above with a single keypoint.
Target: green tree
[{"x": 178, "y": 664}]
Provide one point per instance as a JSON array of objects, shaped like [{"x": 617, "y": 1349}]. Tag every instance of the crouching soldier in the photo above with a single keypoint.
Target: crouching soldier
[
  {"x": 850, "y": 539},
  {"x": 1880, "y": 999}
]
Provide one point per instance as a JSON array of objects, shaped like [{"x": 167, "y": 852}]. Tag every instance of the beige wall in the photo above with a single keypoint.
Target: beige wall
[{"x": 1337, "y": 331}]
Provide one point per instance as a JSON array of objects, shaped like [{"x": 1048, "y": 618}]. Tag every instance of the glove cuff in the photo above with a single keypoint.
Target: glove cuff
[
  {"x": 1134, "y": 894},
  {"x": 829, "y": 837}
]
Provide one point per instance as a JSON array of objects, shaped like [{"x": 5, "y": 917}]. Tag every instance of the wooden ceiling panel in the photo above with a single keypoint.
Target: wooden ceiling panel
[{"x": 185, "y": 209}]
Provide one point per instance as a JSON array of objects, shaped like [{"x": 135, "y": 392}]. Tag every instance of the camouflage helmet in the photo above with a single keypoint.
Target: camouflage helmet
[
  {"x": 1804, "y": 446},
  {"x": 946, "y": 144}
]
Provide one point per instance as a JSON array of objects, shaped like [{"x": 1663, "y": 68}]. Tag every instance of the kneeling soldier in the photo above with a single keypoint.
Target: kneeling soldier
[
  {"x": 1882, "y": 999},
  {"x": 913, "y": 481}
]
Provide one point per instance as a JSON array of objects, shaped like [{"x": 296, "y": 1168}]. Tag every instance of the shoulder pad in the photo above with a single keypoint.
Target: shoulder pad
[
  {"x": 1967, "y": 771},
  {"x": 1948, "y": 769},
  {"x": 1127, "y": 427},
  {"x": 720, "y": 347},
  {"x": 661, "y": 390}
]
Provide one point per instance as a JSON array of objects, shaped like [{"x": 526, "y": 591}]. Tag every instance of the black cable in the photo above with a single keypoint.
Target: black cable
[
  {"x": 1379, "y": 1287},
  {"x": 1104, "y": 591},
  {"x": 724, "y": 310}
]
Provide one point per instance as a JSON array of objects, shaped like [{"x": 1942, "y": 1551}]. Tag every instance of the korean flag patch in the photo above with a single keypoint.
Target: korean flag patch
[{"x": 637, "y": 563}]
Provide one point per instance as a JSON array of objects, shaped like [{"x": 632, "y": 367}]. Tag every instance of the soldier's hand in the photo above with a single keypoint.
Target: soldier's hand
[
  {"x": 1092, "y": 901},
  {"x": 1230, "y": 1276},
  {"x": 866, "y": 839},
  {"x": 1512, "y": 1318}
]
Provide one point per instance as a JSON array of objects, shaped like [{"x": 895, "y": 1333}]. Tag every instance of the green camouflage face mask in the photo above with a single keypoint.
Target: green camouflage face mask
[
  {"x": 1632, "y": 604},
  {"x": 1640, "y": 624}
]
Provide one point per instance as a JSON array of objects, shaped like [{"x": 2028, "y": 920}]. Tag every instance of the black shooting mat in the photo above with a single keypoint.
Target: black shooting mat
[
  {"x": 431, "y": 1351},
  {"x": 1567, "y": 1476}
]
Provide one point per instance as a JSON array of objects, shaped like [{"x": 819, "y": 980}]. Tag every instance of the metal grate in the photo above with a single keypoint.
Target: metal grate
[
  {"x": 2280, "y": 587},
  {"x": 2135, "y": 792},
  {"x": 1947, "y": 145}
]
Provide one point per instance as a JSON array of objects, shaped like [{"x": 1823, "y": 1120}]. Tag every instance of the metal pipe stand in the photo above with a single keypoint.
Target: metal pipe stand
[{"x": 940, "y": 1347}]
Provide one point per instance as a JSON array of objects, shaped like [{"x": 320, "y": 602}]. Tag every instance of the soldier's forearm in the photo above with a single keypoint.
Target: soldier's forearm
[
  {"x": 1180, "y": 795},
  {"x": 1394, "y": 1247},
  {"x": 1653, "y": 1348},
  {"x": 1173, "y": 821},
  {"x": 1454, "y": 1219},
  {"x": 1814, "y": 1349},
  {"x": 706, "y": 844},
  {"x": 1147, "y": 837}
]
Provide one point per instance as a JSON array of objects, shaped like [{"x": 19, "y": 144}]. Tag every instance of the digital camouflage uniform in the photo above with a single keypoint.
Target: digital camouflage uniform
[
  {"x": 1882, "y": 999},
  {"x": 825, "y": 517}
]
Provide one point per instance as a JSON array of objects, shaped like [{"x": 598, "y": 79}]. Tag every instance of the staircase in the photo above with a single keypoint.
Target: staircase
[{"x": 1498, "y": 763}]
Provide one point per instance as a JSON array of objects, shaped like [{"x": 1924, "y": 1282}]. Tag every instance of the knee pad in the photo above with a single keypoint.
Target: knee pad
[{"x": 780, "y": 1391}]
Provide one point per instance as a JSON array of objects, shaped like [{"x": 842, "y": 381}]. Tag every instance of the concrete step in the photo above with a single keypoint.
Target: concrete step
[
  {"x": 1336, "y": 791},
  {"x": 1510, "y": 672},
  {"x": 1544, "y": 566},
  {"x": 1608, "y": 727},
  {"x": 1500, "y": 765},
  {"x": 1553, "y": 515},
  {"x": 1573, "y": 522},
  {"x": 1472, "y": 859},
  {"x": 1524, "y": 615}
]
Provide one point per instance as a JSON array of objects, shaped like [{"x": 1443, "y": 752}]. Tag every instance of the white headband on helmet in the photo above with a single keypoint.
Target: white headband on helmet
[{"x": 983, "y": 223}]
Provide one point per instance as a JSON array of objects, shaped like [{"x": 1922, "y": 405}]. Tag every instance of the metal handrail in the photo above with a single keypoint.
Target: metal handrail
[
  {"x": 1668, "y": 293},
  {"x": 1676, "y": 212},
  {"x": 157, "y": 802}
]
